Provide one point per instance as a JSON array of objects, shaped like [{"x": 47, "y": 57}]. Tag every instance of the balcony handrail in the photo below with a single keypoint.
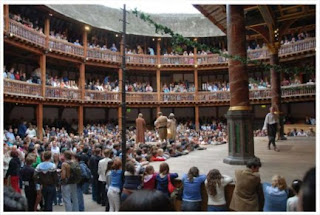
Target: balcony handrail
[
  {"x": 95, "y": 95},
  {"x": 26, "y": 29},
  {"x": 142, "y": 59},
  {"x": 92, "y": 53},
  {"x": 28, "y": 89},
  {"x": 67, "y": 93},
  {"x": 66, "y": 43}
]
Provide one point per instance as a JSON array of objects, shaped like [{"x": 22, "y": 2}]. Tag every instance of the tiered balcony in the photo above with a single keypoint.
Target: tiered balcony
[
  {"x": 18, "y": 89},
  {"x": 29, "y": 35}
]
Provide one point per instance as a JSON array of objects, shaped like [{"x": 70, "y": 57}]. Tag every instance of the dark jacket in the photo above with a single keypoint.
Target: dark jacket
[
  {"x": 14, "y": 167},
  {"x": 93, "y": 165}
]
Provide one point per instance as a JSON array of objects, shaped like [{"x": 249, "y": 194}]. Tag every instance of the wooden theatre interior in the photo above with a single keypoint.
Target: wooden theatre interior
[{"x": 28, "y": 50}]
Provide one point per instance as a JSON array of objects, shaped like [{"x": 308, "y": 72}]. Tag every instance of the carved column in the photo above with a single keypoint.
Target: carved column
[
  {"x": 42, "y": 64},
  {"x": 39, "y": 114},
  {"x": 239, "y": 115},
  {"x": 80, "y": 119},
  {"x": 276, "y": 85}
]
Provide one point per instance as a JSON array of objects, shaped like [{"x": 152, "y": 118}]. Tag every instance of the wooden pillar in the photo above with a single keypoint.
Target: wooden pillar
[
  {"x": 196, "y": 116},
  {"x": 85, "y": 42},
  {"x": 158, "y": 85},
  {"x": 239, "y": 115},
  {"x": 120, "y": 84},
  {"x": 196, "y": 83},
  {"x": 6, "y": 17},
  {"x": 158, "y": 51},
  {"x": 39, "y": 113},
  {"x": 47, "y": 31},
  {"x": 158, "y": 110},
  {"x": 80, "y": 120},
  {"x": 119, "y": 118},
  {"x": 82, "y": 80},
  {"x": 42, "y": 64},
  {"x": 195, "y": 56}
]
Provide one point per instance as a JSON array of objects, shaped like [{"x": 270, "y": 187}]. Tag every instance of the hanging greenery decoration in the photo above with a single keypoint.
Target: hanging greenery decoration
[{"x": 178, "y": 41}]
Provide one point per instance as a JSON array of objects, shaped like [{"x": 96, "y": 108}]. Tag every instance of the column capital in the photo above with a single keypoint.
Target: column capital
[{"x": 274, "y": 47}]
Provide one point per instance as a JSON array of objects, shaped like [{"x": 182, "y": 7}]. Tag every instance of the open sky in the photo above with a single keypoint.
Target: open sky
[{"x": 154, "y": 6}]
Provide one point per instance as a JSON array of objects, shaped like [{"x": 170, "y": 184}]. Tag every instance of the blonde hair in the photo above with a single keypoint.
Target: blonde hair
[{"x": 279, "y": 181}]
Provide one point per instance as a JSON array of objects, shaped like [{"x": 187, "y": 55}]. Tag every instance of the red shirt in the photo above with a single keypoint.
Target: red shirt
[{"x": 149, "y": 181}]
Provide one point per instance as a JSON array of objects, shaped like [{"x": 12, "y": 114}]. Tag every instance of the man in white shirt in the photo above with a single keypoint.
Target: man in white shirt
[
  {"x": 270, "y": 124},
  {"x": 102, "y": 167},
  {"x": 54, "y": 148}
]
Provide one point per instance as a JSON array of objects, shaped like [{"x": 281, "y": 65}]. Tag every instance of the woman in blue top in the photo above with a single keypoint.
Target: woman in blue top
[
  {"x": 162, "y": 178},
  {"x": 115, "y": 185},
  {"x": 191, "y": 197},
  {"x": 275, "y": 194}
]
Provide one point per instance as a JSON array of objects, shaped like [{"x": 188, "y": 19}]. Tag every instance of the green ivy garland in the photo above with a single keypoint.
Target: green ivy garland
[{"x": 178, "y": 40}]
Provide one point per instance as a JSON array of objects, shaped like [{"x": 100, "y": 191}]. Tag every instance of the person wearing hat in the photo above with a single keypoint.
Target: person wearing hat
[
  {"x": 140, "y": 129},
  {"x": 161, "y": 126},
  {"x": 172, "y": 128}
]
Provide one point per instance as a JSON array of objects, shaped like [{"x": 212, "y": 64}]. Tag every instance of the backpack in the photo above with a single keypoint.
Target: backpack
[
  {"x": 75, "y": 173},
  {"x": 85, "y": 173}
]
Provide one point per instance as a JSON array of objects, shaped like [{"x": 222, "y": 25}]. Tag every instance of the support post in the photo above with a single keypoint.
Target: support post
[
  {"x": 195, "y": 74},
  {"x": 239, "y": 115},
  {"x": 119, "y": 118},
  {"x": 6, "y": 17},
  {"x": 158, "y": 51},
  {"x": 80, "y": 120},
  {"x": 85, "y": 43},
  {"x": 158, "y": 85},
  {"x": 82, "y": 80},
  {"x": 39, "y": 111},
  {"x": 196, "y": 116},
  {"x": 158, "y": 110},
  {"x": 47, "y": 31},
  {"x": 42, "y": 64}
]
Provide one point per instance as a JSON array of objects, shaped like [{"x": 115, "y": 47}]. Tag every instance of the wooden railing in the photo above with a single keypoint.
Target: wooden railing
[
  {"x": 210, "y": 59},
  {"x": 65, "y": 47},
  {"x": 141, "y": 59},
  {"x": 177, "y": 60},
  {"x": 214, "y": 96},
  {"x": 298, "y": 90},
  {"x": 105, "y": 55},
  {"x": 177, "y": 97},
  {"x": 262, "y": 53},
  {"x": 141, "y": 97},
  {"x": 62, "y": 93},
  {"x": 299, "y": 46},
  {"x": 29, "y": 34},
  {"x": 102, "y": 96},
  {"x": 14, "y": 87}
]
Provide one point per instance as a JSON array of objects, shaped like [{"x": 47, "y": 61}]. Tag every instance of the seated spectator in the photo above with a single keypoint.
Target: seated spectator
[
  {"x": 275, "y": 194},
  {"x": 301, "y": 133},
  {"x": 113, "y": 48},
  {"x": 292, "y": 202},
  {"x": 311, "y": 132},
  {"x": 149, "y": 179}
]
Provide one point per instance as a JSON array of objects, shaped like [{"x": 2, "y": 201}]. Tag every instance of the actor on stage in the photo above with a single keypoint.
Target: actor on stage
[
  {"x": 141, "y": 128},
  {"x": 270, "y": 124},
  {"x": 172, "y": 128},
  {"x": 161, "y": 126}
]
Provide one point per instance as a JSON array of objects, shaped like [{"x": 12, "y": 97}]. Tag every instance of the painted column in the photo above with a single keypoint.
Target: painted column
[
  {"x": 47, "y": 31},
  {"x": 196, "y": 116},
  {"x": 119, "y": 118},
  {"x": 6, "y": 16},
  {"x": 239, "y": 115},
  {"x": 82, "y": 80}
]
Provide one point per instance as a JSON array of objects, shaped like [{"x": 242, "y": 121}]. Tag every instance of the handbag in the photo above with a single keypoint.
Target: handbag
[{"x": 171, "y": 188}]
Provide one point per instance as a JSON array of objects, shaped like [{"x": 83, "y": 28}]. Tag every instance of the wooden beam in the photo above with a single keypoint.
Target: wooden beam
[
  {"x": 85, "y": 42},
  {"x": 80, "y": 120},
  {"x": 158, "y": 76},
  {"x": 47, "y": 31},
  {"x": 82, "y": 80},
  {"x": 43, "y": 65},
  {"x": 285, "y": 26},
  {"x": 310, "y": 13},
  {"x": 23, "y": 46},
  {"x": 119, "y": 118},
  {"x": 261, "y": 31},
  {"x": 211, "y": 18},
  {"x": 267, "y": 15},
  {"x": 196, "y": 116},
  {"x": 39, "y": 114},
  {"x": 6, "y": 17}
]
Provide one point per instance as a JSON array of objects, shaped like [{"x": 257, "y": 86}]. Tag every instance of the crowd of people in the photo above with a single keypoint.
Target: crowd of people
[
  {"x": 178, "y": 87},
  {"x": 26, "y": 22}
]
